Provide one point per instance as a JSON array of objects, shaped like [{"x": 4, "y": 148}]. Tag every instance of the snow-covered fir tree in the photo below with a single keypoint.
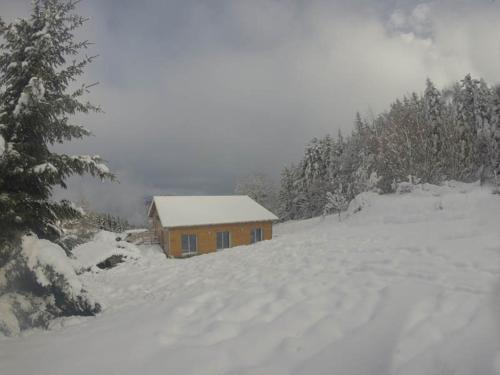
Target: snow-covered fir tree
[
  {"x": 465, "y": 95},
  {"x": 495, "y": 130},
  {"x": 40, "y": 62},
  {"x": 287, "y": 209},
  {"x": 434, "y": 112}
]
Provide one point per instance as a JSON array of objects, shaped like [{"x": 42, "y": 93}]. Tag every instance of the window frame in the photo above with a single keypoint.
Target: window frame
[
  {"x": 189, "y": 250},
  {"x": 253, "y": 235},
  {"x": 222, "y": 233}
]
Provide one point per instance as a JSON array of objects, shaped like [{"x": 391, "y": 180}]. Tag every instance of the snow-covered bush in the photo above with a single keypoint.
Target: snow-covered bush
[
  {"x": 404, "y": 187},
  {"x": 39, "y": 284},
  {"x": 336, "y": 202}
]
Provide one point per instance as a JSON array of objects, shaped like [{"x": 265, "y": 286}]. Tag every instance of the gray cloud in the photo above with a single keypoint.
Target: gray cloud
[{"x": 197, "y": 93}]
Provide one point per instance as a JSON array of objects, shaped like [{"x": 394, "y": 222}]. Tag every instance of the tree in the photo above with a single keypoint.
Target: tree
[
  {"x": 335, "y": 202},
  {"x": 465, "y": 107},
  {"x": 287, "y": 209},
  {"x": 495, "y": 130},
  {"x": 38, "y": 64},
  {"x": 447, "y": 134},
  {"x": 434, "y": 112},
  {"x": 260, "y": 188}
]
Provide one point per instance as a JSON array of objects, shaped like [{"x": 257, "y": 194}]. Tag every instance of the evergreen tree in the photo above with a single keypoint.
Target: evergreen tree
[
  {"x": 465, "y": 110},
  {"x": 38, "y": 63},
  {"x": 434, "y": 112},
  {"x": 485, "y": 141},
  {"x": 287, "y": 194},
  {"x": 495, "y": 130}
]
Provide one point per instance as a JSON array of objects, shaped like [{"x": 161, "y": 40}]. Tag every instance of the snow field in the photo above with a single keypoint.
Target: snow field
[{"x": 408, "y": 285}]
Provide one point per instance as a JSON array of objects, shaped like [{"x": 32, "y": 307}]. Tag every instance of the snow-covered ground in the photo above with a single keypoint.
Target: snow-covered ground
[{"x": 408, "y": 285}]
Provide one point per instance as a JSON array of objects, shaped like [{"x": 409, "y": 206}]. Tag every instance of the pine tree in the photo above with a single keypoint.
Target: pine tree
[
  {"x": 287, "y": 194},
  {"x": 434, "y": 112},
  {"x": 485, "y": 141},
  {"x": 38, "y": 63},
  {"x": 464, "y": 99},
  {"x": 495, "y": 130}
]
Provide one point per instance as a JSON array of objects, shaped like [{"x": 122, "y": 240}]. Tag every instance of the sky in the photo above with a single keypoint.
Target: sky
[{"x": 199, "y": 93}]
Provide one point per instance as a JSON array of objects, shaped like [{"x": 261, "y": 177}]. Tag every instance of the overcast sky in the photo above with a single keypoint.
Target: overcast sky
[{"x": 199, "y": 92}]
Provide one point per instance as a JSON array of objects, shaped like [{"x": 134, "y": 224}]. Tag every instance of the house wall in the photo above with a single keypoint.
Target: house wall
[
  {"x": 207, "y": 236},
  {"x": 160, "y": 233}
]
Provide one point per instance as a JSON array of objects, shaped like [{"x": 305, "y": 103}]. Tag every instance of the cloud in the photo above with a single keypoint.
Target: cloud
[
  {"x": 415, "y": 21},
  {"x": 199, "y": 93}
]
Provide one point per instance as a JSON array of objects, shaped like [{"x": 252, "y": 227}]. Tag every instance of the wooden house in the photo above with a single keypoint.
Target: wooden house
[{"x": 191, "y": 225}]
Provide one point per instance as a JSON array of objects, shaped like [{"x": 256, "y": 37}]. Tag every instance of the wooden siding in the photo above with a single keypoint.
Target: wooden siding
[{"x": 207, "y": 236}]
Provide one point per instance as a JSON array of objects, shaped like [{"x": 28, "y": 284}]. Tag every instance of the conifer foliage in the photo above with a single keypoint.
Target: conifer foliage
[{"x": 39, "y": 63}]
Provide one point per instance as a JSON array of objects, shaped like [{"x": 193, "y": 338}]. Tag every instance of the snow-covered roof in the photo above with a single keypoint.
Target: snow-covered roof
[{"x": 184, "y": 211}]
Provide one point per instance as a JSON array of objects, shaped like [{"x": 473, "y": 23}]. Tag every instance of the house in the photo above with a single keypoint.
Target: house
[{"x": 191, "y": 225}]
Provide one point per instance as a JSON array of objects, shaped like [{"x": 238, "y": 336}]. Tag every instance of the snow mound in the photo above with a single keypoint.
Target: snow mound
[
  {"x": 103, "y": 246},
  {"x": 360, "y": 202}
]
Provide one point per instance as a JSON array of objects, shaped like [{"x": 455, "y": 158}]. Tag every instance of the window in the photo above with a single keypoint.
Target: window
[
  {"x": 223, "y": 240},
  {"x": 189, "y": 244},
  {"x": 256, "y": 235}
]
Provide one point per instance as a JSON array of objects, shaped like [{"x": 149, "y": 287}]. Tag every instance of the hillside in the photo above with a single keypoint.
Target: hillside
[{"x": 404, "y": 284}]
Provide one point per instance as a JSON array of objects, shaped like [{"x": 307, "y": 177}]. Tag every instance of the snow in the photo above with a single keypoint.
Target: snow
[
  {"x": 94, "y": 161},
  {"x": 2, "y": 145},
  {"x": 12, "y": 65},
  {"x": 102, "y": 168},
  {"x": 23, "y": 101},
  {"x": 138, "y": 230},
  {"x": 37, "y": 88},
  {"x": 41, "y": 33},
  {"x": 101, "y": 248},
  {"x": 34, "y": 91},
  {"x": 45, "y": 167},
  {"x": 408, "y": 284},
  {"x": 43, "y": 254},
  {"x": 178, "y": 211},
  {"x": 7, "y": 300}
]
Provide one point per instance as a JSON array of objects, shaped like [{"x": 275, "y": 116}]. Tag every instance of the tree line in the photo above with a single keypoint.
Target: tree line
[{"x": 449, "y": 134}]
